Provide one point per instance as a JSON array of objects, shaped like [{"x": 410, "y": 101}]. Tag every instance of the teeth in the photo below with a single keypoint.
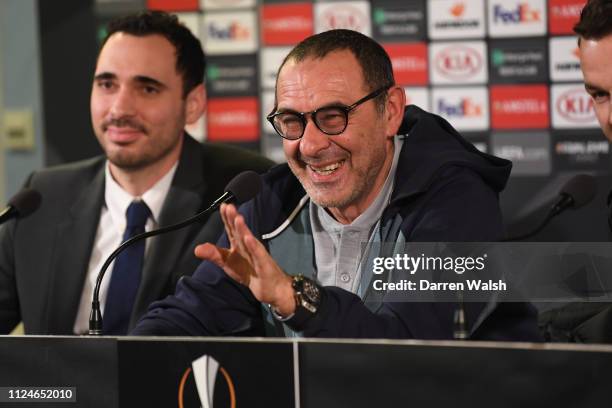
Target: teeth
[{"x": 327, "y": 169}]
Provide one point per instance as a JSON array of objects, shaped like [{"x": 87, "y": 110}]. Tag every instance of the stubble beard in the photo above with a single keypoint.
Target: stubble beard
[{"x": 323, "y": 196}]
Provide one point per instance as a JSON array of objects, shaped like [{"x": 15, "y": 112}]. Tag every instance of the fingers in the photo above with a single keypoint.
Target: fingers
[
  {"x": 233, "y": 220},
  {"x": 212, "y": 253},
  {"x": 227, "y": 223},
  {"x": 232, "y": 263}
]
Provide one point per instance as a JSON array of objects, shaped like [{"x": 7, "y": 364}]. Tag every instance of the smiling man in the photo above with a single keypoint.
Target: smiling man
[
  {"x": 590, "y": 322},
  {"x": 362, "y": 169},
  {"x": 147, "y": 86}
]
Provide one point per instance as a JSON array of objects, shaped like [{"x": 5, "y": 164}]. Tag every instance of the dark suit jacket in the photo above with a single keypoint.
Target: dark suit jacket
[{"x": 44, "y": 257}]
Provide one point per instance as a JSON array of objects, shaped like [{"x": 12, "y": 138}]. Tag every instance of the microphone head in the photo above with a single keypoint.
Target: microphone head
[
  {"x": 581, "y": 189},
  {"x": 244, "y": 186},
  {"x": 25, "y": 202}
]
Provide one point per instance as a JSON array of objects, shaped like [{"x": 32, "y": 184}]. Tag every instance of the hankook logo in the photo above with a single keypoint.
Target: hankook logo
[
  {"x": 458, "y": 62},
  {"x": 206, "y": 371},
  {"x": 575, "y": 106}
]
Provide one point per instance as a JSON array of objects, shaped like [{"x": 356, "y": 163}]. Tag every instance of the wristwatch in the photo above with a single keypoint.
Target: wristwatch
[{"x": 307, "y": 295}]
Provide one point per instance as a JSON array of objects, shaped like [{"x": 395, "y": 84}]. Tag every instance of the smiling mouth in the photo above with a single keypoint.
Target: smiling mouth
[{"x": 327, "y": 170}]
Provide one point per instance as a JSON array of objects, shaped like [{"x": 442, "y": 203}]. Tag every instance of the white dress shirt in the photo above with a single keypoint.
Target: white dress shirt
[{"x": 110, "y": 235}]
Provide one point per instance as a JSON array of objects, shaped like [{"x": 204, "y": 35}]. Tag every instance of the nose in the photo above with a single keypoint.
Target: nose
[
  {"x": 313, "y": 140},
  {"x": 123, "y": 104}
]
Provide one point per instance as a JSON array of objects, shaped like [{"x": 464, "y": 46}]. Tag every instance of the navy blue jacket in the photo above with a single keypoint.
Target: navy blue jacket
[{"x": 444, "y": 190}]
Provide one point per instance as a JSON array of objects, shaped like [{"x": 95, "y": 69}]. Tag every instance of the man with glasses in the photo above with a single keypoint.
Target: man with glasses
[{"x": 361, "y": 168}]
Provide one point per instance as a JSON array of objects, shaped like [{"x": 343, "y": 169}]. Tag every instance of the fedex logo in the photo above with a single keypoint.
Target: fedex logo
[
  {"x": 523, "y": 13},
  {"x": 233, "y": 31},
  {"x": 465, "y": 107}
]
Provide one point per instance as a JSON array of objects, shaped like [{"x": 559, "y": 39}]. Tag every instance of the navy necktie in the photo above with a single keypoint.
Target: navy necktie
[{"x": 126, "y": 273}]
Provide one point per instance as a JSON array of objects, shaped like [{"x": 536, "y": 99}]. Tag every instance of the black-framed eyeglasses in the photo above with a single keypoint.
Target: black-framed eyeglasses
[{"x": 331, "y": 120}]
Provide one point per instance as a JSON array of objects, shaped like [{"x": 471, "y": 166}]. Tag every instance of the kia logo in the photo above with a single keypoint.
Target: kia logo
[
  {"x": 458, "y": 62},
  {"x": 346, "y": 17},
  {"x": 575, "y": 106}
]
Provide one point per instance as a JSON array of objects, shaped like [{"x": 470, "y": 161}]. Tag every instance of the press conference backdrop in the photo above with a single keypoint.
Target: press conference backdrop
[{"x": 503, "y": 72}]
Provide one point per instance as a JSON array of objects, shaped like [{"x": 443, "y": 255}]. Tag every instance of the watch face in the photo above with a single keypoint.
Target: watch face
[{"x": 311, "y": 291}]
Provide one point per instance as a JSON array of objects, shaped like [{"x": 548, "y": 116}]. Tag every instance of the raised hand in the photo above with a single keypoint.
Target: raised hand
[{"x": 248, "y": 262}]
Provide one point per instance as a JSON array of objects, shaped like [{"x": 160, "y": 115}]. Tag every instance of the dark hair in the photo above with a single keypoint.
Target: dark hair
[
  {"x": 371, "y": 56},
  {"x": 190, "y": 60},
  {"x": 595, "y": 20}
]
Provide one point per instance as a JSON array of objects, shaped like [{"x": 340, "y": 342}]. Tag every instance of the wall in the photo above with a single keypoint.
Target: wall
[
  {"x": 505, "y": 73},
  {"x": 21, "y": 85}
]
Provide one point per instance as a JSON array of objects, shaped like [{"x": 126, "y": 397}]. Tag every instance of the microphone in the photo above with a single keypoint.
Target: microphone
[
  {"x": 577, "y": 192},
  {"x": 241, "y": 188},
  {"x": 21, "y": 205}
]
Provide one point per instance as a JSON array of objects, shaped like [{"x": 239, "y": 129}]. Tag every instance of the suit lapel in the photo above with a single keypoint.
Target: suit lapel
[
  {"x": 74, "y": 241},
  {"x": 184, "y": 200}
]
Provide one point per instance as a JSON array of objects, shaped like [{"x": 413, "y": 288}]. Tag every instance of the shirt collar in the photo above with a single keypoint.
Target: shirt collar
[{"x": 117, "y": 199}]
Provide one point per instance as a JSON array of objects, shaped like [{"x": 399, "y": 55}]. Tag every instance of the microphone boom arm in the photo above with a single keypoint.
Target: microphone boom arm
[{"x": 95, "y": 317}]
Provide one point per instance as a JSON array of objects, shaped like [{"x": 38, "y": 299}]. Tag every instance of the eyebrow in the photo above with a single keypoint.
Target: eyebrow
[
  {"x": 334, "y": 104},
  {"x": 141, "y": 79},
  {"x": 592, "y": 88}
]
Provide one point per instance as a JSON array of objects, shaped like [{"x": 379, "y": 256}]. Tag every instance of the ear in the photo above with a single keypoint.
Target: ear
[
  {"x": 195, "y": 104},
  {"x": 394, "y": 110}
]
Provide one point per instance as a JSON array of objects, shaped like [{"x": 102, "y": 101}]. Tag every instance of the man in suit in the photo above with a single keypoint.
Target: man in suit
[
  {"x": 580, "y": 321},
  {"x": 147, "y": 86}
]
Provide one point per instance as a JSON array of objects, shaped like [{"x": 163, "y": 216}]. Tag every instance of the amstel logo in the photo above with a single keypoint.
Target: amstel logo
[
  {"x": 563, "y": 14},
  {"x": 205, "y": 372}
]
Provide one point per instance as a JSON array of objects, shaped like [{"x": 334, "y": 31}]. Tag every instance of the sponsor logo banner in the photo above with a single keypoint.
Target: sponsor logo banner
[
  {"x": 564, "y": 60},
  {"x": 409, "y": 63},
  {"x": 230, "y": 33},
  {"x": 352, "y": 15},
  {"x": 458, "y": 62},
  {"x": 528, "y": 151},
  {"x": 418, "y": 96},
  {"x": 233, "y": 119},
  {"x": 271, "y": 142},
  {"x": 231, "y": 75},
  {"x": 563, "y": 15},
  {"x": 398, "y": 21},
  {"x": 173, "y": 5},
  {"x": 286, "y": 24},
  {"x": 226, "y": 4},
  {"x": 480, "y": 140},
  {"x": 267, "y": 104},
  {"x": 466, "y": 108},
  {"x": 271, "y": 59},
  {"x": 191, "y": 21},
  {"x": 585, "y": 151},
  {"x": 519, "y": 107},
  {"x": 450, "y": 19},
  {"x": 572, "y": 107},
  {"x": 197, "y": 129},
  {"x": 514, "y": 61},
  {"x": 516, "y": 18}
]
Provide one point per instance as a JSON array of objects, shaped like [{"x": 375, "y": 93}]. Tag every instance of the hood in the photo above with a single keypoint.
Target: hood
[{"x": 431, "y": 145}]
